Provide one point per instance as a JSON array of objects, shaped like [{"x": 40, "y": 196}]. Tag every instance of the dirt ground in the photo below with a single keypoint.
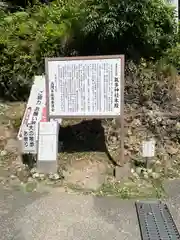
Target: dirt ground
[{"x": 85, "y": 162}]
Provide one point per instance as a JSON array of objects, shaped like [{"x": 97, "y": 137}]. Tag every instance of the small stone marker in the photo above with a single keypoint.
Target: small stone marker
[
  {"x": 148, "y": 150},
  {"x": 48, "y": 147},
  {"x": 29, "y": 144}
]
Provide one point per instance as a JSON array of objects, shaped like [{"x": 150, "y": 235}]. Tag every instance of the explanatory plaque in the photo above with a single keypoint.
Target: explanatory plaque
[{"x": 85, "y": 86}]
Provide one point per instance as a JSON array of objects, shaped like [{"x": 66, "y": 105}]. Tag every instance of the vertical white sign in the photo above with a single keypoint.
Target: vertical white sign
[
  {"x": 48, "y": 141},
  {"x": 36, "y": 104},
  {"x": 29, "y": 144},
  {"x": 148, "y": 148}
]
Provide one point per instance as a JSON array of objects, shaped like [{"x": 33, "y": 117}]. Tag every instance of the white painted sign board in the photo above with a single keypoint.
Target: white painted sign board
[
  {"x": 48, "y": 141},
  {"x": 29, "y": 144},
  {"x": 148, "y": 148},
  {"x": 35, "y": 105},
  {"x": 85, "y": 87}
]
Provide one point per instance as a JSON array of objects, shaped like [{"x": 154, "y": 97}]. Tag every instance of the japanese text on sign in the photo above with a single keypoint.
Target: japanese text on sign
[
  {"x": 52, "y": 96},
  {"x": 29, "y": 139},
  {"x": 38, "y": 107},
  {"x": 87, "y": 87},
  {"x": 36, "y": 104}
]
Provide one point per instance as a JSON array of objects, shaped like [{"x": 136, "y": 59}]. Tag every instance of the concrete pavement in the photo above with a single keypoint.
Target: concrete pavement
[
  {"x": 67, "y": 216},
  {"x": 62, "y": 216},
  {"x": 12, "y": 205},
  {"x": 59, "y": 215}
]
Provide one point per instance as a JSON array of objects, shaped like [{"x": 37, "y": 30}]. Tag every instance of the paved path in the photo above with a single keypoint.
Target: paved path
[{"x": 62, "y": 216}]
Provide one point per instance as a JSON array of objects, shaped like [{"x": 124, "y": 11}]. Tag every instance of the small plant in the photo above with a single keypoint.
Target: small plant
[
  {"x": 16, "y": 123},
  {"x": 131, "y": 190},
  {"x": 172, "y": 56}
]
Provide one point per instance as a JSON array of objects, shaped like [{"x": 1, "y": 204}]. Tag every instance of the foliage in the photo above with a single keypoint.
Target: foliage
[
  {"x": 142, "y": 28},
  {"x": 28, "y": 37},
  {"x": 24, "y": 3},
  {"x": 173, "y": 56},
  {"x": 71, "y": 27}
]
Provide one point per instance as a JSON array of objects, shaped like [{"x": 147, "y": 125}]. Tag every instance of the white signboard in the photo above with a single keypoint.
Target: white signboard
[
  {"x": 35, "y": 105},
  {"x": 48, "y": 141},
  {"x": 148, "y": 148},
  {"x": 29, "y": 139},
  {"x": 85, "y": 87}
]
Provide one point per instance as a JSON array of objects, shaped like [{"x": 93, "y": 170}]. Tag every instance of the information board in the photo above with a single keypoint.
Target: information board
[
  {"x": 29, "y": 139},
  {"x": 85, "y": 86}
]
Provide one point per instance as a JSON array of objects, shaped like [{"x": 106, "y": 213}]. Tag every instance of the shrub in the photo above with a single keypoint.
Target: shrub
[
  {"x": 26, "y": 38},
  {"x": 70, "y": 27},
  {"x": 141, "y": 28},
  {"x": 173, "y": 56}
]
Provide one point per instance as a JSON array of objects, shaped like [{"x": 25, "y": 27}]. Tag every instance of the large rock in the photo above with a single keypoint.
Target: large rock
[{"x": 91, "y": 176}]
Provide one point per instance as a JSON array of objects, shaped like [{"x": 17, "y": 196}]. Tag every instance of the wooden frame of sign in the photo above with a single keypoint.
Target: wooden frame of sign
[{"x": 108, "y": 72}]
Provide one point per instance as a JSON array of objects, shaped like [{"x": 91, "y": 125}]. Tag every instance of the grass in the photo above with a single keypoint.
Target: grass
[
  {"x": 77, "y": 188},
  {"x": 128, "y": 190},
  {"x": 158, "y": 186},
  {"x": 30, "y": 186},
  {"x": 132, "y": 190}
]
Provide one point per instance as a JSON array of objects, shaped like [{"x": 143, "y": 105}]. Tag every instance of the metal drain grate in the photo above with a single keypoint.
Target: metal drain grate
[{"x": 156, "y": 222}]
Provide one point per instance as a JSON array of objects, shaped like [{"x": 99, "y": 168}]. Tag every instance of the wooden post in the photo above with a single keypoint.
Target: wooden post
[{"x": 122, "y": 135}]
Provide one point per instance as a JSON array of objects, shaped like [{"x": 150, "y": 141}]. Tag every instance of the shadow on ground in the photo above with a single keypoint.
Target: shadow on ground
[
  {"x": 86, "y": 136},
  {"x": 119, "y": 213}
]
